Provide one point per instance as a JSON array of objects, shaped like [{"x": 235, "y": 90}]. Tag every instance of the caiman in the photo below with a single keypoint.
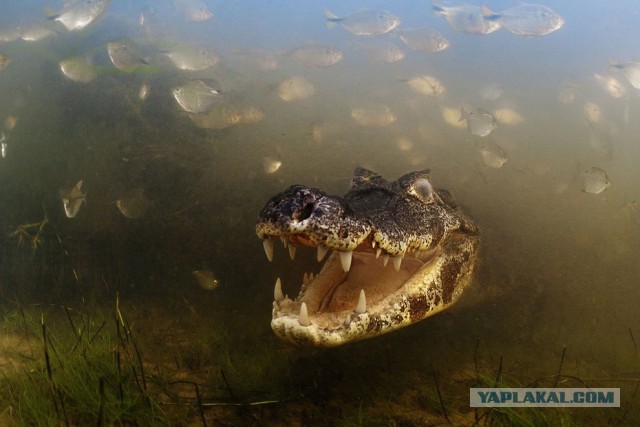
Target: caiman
[{"x": 401, "y": 251}]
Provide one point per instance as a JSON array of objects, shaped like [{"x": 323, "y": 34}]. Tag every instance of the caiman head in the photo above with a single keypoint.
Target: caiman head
[{"x": 402, "y": 251}]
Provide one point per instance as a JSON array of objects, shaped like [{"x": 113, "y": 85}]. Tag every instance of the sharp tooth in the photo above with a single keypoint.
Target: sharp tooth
[
  {"x": 268, "y": 248},
  {"x": 361, "y": 308},
  {"x": 305, "y": 278},
  {"x": 345, "y": 259},
  {"x": 292, "y": 252},
  {"x": 397, "y": 261},
  {"x": 283, "y": 240},
  {"x": 347, "y": 321},
  {"x": 277, "y": 292},
  {"x": 322, "y": 251},
  {"x": 303, "y": 318},
  {"x": 373, "y": 243},
  {"x": 385, "y": 260},
  {"x": 311, "y": 276},
  {"x": 378, "y": 252}
]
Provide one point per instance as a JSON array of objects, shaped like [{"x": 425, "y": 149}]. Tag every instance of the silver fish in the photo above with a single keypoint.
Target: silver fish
[
  {"x": 526, "y": 19},
  {"x": 375, "y": 115},
  {"x": 193, "y": 10},
  {"x": 423, "y": 39},
  {"x": 4, "y": 61},
  {"x": 193, "y": 57},
  {"x": 479, "y": 122},
  {"x": 466, "y": 18},
  {"x": 365, "y": 22},
  {"x": 79, "y": 69},
  {"x": 73, "y": 200},
  {"x": 631, "y": 70},
  {"x": 144, "y": 91},
  {"x": 134, "y": 204},
  {"x": 197, "y": 96},
  {"x": 3, "y": 145},
  {"x": 383, "y": 52},
  {"x": 492, "y": 154},
  {"x": 125, "y": 55},
  {"x": 35, "y": 33},
  {"x": 427, "y": 85},
  {"x": 611, "y": 85},
  {"x": 271, "y": 165},
  {"x": 316, "y": 55},
  {"x": 595, "y": 180},
  {"x": 77, "y": 14},
  {"x": 491, "y": 92},
  {"x": 206, "y": 279},
  {"x": 295, "y": 88}
]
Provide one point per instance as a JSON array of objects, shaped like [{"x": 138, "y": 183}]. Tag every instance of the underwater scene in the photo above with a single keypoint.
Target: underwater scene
[{"x": 317, "y": 213}]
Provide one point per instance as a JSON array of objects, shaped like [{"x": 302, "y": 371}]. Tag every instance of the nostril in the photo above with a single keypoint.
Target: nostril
[{"x": 306, "y": 212}]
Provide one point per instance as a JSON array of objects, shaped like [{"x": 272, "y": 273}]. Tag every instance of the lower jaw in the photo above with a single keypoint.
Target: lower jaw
[{"x": 426, "y": 291}]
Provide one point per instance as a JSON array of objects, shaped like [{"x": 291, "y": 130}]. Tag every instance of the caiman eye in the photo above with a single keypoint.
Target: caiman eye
[{"x": 422, "y": 189}]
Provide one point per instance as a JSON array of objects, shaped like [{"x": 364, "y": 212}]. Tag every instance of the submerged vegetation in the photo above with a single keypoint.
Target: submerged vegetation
[{"x": 114, "y": 366}]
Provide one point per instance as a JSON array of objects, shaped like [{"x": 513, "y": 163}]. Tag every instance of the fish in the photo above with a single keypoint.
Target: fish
[
  {"x": 611, "y": 85},
  {"x": 595, "y": 180},
  {"x": 206, "y": 279},
  {"x": 423, "y": 39},
  {"x": 193, "y": 10},
  {"x": 316, "y": 55},
  {"x": 479, "y": 122},
  {"x": 197, "y": 96},
  {"x": 4, "y": 61},
  {"x": 383, "y": 52},
  {"x": 451, "y": 116},
  {"x": 295, "y": 88},
  {"x": 630, "y": 70},
  {"x": 144, "y": 91},
  {"x": 72, "y": 200},
  {"x": 219, "y": 117},
  {"x": 526, "y": 19},
  {"x": 125, "y": 55},
  {"x": 634, "y": 209},
  {"x": 193, "y": 57},
  {"x": 37, "y": 32},
  {"x": 134, "y": 204},
  {"x": 78, "y": 69},
  {"x": 508, "y": 116},
  {"x": 427, "y": 85},
  {"x": 492, "y": 154},
  {"x": 466, "y": 18},
  {"x": 77, "y": 14},
  {"x": 491, "y": 92},
  {"x": 567, "y": 93},
  {"x": 375, "y": 115},
  {"x": 366, "y": 22},
  {"x": 403, "y": 143},
  {"x": 10, "y": 122},
  {"x": 271, "y": 165},
  {"x": 593, "y": 112},
  {"x": 3, "y": 144}
]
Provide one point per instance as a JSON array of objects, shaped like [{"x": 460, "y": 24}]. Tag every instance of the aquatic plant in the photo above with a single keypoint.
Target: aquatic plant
[{"x": 74, "y": 374}]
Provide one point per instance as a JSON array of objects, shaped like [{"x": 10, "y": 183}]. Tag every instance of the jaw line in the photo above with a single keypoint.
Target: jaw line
[{"x": 331, "y": 308}]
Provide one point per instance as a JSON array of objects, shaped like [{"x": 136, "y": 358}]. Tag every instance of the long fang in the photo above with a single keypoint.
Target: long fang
[{"x": 268, "y": 248}]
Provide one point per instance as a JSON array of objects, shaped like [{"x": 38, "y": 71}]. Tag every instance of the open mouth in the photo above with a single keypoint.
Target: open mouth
[{"x": 362, "y": 293}]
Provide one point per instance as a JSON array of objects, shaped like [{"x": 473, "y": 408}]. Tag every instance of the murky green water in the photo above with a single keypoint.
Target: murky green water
[{"x": 558, "y": 267}]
